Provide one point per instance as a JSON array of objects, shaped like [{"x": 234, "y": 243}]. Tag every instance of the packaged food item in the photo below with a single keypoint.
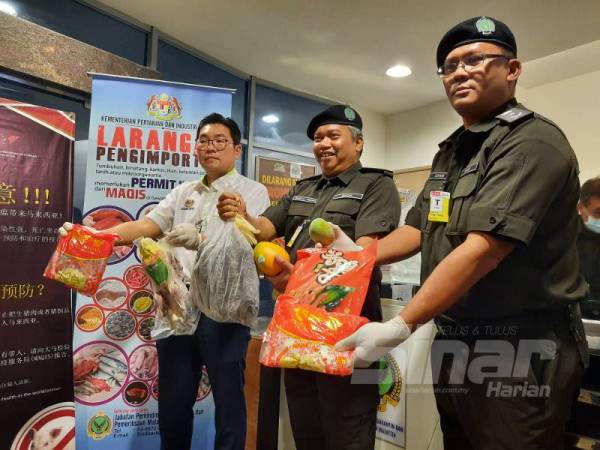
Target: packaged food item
[
  {"x": 303, "y": 336},
  {"x": 332, "y": 279},
  {"x": 321, "y": 305},
  {"x": 175, "y": 314},
  {"x": 80, "y": 259}
]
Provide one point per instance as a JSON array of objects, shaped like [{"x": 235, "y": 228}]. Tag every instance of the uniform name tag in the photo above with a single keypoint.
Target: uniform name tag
[
  {"x": 441, "y": 176},
  {"x": 355, "y": 196},
  {"x": 301, "y": 198},
  {"x": 439, "y": 206},
  {"x": 470, "y": 168}
]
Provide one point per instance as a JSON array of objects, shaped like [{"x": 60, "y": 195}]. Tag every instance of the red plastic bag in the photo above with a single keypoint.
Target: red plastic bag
[
  {"x": 303, "y": 336},
  {"x": 332, "y": 279},
  {"x": 80, "y": 259}
]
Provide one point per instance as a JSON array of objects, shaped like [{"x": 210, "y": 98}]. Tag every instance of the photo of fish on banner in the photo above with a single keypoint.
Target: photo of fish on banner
[
  {"x": 321, "y": 305},
  {"x": 99, "y": 372},
  {"x": 80, "y": 259},
  {"x": 175, "y": 313},
  {"x": 225, "y": 283}
]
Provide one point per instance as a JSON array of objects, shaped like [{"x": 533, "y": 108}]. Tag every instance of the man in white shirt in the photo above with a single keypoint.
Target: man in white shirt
[{"x": 221, "y": 347}]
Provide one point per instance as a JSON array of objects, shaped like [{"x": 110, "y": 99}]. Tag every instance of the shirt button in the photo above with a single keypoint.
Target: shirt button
[
  {"x": 492, "y": 220},
  {"x": 383, "y": 223}
]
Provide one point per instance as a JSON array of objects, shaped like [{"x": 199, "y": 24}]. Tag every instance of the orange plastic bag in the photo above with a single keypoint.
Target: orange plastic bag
[
  {"x": 80, "y": 259},
  {"x": 332, "y": 279},
  {"x": 302, "y": 336}
]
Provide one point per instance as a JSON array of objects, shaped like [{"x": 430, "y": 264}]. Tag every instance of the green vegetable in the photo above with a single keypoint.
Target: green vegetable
[{"x": 158, "y": 271}]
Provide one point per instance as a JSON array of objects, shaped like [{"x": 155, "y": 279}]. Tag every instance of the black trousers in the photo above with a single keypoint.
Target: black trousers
[
  {"x": 222, "y": 348},
  {"x": 328, "y": 412},
  {"x": 507, "y": 401}
]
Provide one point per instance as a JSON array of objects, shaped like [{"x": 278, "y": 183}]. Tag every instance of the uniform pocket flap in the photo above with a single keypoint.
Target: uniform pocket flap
[
  {"x": 465, "y": 186},
  {"x": 300, "y": 209},
  {"x": 348, "y": 206}
]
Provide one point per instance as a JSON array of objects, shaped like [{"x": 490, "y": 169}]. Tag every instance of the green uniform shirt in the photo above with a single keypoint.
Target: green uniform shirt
[
  {"x": 515, "y": 177},
  {"x": 362, "y": 201}
]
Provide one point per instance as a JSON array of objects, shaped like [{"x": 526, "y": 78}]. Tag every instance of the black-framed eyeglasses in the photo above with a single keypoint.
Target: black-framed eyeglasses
[
  {"x": 468, "y": 63},
  {"x": 218, "y": 144}
]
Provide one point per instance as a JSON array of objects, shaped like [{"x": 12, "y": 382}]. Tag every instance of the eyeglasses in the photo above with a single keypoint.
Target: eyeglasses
[
  {"x": 218, "y": 144},
  {"x": 468, "y": 63}
]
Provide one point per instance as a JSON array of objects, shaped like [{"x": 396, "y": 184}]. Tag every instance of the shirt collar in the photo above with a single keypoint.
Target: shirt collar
[
  {"x": 220, "y": 183},
  {"x": 483, "y": 126},
  {"x": 491, "y": 121},
  {"x": 344, "y": 178}
]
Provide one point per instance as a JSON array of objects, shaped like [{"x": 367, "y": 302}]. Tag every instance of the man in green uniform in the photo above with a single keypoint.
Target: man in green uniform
[
  {"x": 496, "y": 225},
  {"x": 326, "y": 411}
]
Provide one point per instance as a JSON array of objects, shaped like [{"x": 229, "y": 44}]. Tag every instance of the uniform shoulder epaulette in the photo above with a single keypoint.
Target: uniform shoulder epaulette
[
  {"x": 549, "y": 122},
  {"x": 514, "y": 114},
  {"x": 313, "y": 178},
  {"x": 387, "y": 173}
]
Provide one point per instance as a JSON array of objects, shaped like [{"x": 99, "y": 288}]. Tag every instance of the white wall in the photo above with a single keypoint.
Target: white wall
[
  {"x": 574, "y": 104},
  {"x": 412, "y": 137},
  {"x": 374, "y": 153}
]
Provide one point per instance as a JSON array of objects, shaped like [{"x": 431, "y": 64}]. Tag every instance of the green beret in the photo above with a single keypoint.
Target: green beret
[
  {"x": 336, "y": 114},
  {"x": 477, "y": 29}
]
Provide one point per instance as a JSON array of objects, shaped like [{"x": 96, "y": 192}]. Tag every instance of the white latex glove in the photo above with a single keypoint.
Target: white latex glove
[
  {"x": 375, "y": 339},
  {"x": 68, "y": 226},
  {"x": 184, "y": 235},
  {"x": 342, "y": 241}
]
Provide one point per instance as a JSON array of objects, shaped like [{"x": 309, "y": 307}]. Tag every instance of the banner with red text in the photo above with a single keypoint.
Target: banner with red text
[
  {"x": 142, "y": 135},
  {"x": 280, "y": 176},
  {"x": 36, "y": 166}
]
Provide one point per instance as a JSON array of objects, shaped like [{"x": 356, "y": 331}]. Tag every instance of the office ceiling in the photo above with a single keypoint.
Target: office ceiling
[{"x": 340, "y": 49}]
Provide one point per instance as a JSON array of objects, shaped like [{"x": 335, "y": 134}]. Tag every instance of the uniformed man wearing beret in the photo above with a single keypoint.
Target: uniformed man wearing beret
[
  {"x": 496, "y": 225},
  {"x": 326, "y": 411}
]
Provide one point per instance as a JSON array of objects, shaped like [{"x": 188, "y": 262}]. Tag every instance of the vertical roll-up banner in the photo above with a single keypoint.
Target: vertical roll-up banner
[
  {"x": 142, "y": 135},
  {"x": 36, "y": 388}
]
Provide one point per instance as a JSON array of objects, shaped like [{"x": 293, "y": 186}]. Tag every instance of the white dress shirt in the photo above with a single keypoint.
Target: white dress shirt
[{"x": 194, "y": 202}]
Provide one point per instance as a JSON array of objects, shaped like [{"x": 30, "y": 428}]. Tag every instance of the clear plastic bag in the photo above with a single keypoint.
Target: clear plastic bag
[
  {"x": 224, "y": 278},
  {"x": 175, "y": 313},
  {"x": 80, "y": 259}
]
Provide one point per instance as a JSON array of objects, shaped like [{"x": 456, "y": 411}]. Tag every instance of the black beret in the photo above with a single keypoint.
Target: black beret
[
  {"x": 476, "y": 29},
  {"x": 336, "y": 114}
]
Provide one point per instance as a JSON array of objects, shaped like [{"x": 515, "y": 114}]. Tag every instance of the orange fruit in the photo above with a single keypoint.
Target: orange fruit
[{"x": 264, "y": 257}]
